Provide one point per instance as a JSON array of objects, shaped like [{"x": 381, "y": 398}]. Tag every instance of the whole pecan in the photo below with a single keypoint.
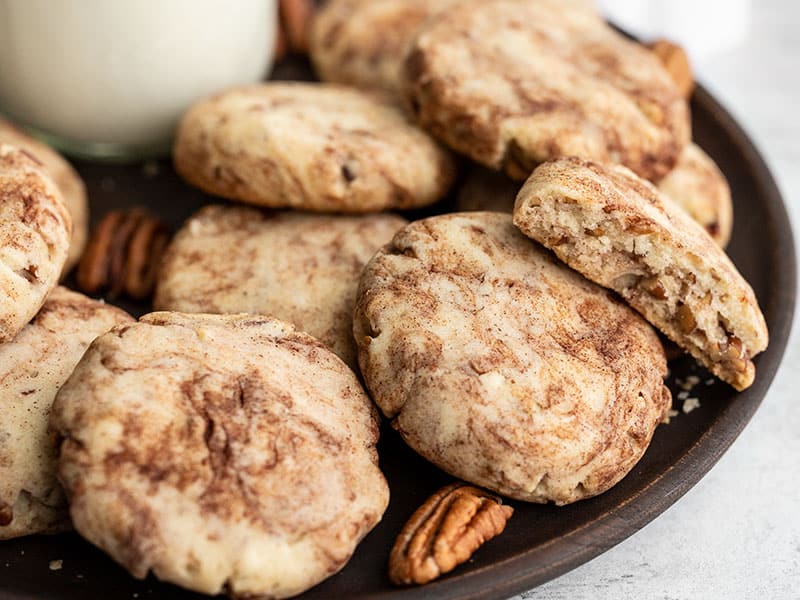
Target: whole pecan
[
  {"x": 444, "y": 532},
  {"x": 294, "y": 20},
  {"x": 123, "y": 254},
  {"x": 676, "y": 62}
]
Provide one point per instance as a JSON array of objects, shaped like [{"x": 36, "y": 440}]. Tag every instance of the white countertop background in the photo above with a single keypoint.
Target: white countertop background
[{"x": 736, "y": 535}]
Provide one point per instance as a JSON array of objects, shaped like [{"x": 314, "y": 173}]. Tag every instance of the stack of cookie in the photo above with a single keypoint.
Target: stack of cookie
[
  {"x": 497, "y": 363},
  {"x": 226, "y": 443},
  {"x": 44, "y": 328},
  {"x": 217, "y": 451}
]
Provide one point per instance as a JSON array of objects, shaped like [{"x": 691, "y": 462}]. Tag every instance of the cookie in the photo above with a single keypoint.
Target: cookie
[
  {"x": 220, "y": 452},
  {"x": 696, "y": 184},
  {"x": 700, "y": 188},
  {"x": 34, "y": 238},
  {"x": 65, "y": 177},
  {"x": 620, "y": 232},
  {"x": 32, "y": 369},
  {"x": 311, "y": 147},
  {"x": 301, "y": 268},
  {"x": 502, "y": 366},
  {"x": 364, "y": 42},
  {"x": 513, "y": 84}
]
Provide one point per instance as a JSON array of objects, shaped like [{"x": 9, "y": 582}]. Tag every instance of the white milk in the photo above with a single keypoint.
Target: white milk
[{"x": 121, "y": 72}]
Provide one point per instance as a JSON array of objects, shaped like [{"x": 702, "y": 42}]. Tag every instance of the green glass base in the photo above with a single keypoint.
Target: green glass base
[{"x": 99, "y": 151}]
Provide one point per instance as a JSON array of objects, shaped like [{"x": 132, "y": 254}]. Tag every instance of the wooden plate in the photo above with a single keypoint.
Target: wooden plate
[{"x": 541, "y": 542}]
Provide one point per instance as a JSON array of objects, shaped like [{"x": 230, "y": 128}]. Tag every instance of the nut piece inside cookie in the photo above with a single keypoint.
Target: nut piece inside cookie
[{"x": 444, "y": 532}]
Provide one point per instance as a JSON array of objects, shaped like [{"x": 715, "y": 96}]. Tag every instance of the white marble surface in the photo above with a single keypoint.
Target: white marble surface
[{"x": 736, "y": 535}]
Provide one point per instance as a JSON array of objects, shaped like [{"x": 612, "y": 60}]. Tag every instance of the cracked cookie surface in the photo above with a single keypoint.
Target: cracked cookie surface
[
  {"x": 513, "y": 84},
  {"x": 35, "y": 228},
  {"x": 316, "y": 147},
  {"x": 222, "y": 452},
  {"x": 504, "y": 367},
  {"x": 32, "y": 368},
  {"x": 301, "y": 268},
  {"x": 619, "y": 231},
  {"x": 72, "y": 188}
]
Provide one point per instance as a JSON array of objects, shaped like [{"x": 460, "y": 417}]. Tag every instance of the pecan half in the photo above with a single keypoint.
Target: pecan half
[
  {"x": 294, "y": 20},
  {"x": 123, "y": 254},
  {"x": 444, "y": 532},
  {"x": 676, "y": 62},
  {"x": 281, "y": 44}
]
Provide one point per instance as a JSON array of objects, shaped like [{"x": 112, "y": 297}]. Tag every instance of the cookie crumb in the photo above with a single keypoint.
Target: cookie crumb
[
  {"x": 710, "y": 381},
  {"x": 690, "y": 404},
  {"x": 683, "y": 395},
  {"x": 55, "y": 565},
  {"x": 690, "y": 382}
]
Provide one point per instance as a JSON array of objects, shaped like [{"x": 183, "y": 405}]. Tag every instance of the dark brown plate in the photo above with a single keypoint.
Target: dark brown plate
[{"x": 541, "y": 542}]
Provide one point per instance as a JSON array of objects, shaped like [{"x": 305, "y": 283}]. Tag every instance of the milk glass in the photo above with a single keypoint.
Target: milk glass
[{"x": 111, "y": 78}]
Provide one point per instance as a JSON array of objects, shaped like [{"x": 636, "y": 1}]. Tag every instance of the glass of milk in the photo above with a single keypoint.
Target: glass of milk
[{"x": 111, "y": 78}]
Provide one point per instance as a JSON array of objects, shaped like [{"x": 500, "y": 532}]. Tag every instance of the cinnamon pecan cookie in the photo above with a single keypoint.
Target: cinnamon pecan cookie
[
  {"x": 220, "y": 452},
  {"x": 312, "y": 147},
  {"x": 298, "y": 267},
  {"x": 512, "y": 84},
  {"x": 504, "y": 367},
  {"x": 700, "y": 188},
  {"x": 32, "y": 369},
  {"x": 364, "y": 42},
  {"x": 620, "y": 232},
  {"x": 65, "y": 177},
  {"x": 34, "y": 238},
  {"x": 696, "y": 184}
]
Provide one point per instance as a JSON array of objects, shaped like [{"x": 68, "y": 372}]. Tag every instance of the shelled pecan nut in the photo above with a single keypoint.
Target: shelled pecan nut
[
  {"x": 281, "y": 45},
  {"x": 676, "y": 62},
  {"x": 293, "y": 24},
  {"x": 444, "y": 532},
  {"x": 123, "y": 254}
]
